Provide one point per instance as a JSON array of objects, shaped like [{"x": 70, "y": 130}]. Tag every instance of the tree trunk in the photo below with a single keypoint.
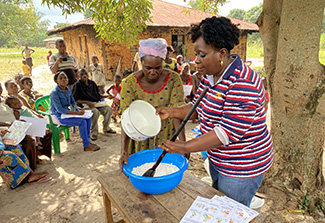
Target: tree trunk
[{"x": 290, "y": 31}]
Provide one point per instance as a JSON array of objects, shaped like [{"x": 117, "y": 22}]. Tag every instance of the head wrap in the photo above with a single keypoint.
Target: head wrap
[{"x": 153, "y": 47}]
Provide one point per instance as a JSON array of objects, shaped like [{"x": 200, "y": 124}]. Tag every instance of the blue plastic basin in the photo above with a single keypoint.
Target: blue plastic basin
[{"x": 155, "y": 185}]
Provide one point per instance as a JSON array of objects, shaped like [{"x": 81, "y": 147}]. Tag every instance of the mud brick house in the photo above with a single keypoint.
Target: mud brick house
[
  {"x": 168, "y": 22},
  {"x": 50, "y": 43}
]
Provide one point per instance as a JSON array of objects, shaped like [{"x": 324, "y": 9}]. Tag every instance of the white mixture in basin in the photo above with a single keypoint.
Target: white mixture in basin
[{"x": 162, "y": 170}]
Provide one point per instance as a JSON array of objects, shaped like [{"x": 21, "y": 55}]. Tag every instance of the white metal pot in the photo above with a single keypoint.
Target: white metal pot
[{"x": 139, "y": 121}]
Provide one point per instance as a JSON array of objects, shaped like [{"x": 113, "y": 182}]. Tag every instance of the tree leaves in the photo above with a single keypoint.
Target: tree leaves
[
  {"x": 19, "y": 22},
  {"x": 115, "y": 20}
]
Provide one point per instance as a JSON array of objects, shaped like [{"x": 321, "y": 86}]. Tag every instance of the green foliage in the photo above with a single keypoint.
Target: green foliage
[
  {"x": 253, "y": 14},
  {"x": 118, "y": 20},
  {"x": 304, "y": 202},
  {"x": 210, "y": 6},
  {"x": 20, "y": 24},
  {"x": 60, "y": 24},
  {"x": 237, "y": 14},
  {"x": 88, "y": 14}
]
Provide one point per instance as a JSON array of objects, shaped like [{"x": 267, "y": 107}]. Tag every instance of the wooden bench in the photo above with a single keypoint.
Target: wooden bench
[{"x": 136, "y": 206}]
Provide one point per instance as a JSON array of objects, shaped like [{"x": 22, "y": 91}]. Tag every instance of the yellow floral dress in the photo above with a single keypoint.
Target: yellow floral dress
[{"x": 171, "y": 94}]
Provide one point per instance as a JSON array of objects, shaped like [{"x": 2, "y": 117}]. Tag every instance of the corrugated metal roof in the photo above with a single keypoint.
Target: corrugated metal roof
[{"x": 167, "y": 14}]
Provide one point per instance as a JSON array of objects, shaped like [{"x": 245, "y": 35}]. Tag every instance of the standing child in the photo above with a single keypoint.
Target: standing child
[
  {"x": 96, "y": 74},
  {"x": 26, "y": 68},
  {"x": 48, "y": 57},
  {"x": 116, "y": 89},
  {"x": 28, "y": 57}
]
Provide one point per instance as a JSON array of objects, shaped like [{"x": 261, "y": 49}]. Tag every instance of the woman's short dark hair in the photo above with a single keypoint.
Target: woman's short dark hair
[
  {"x": 56, "y": 75},
  {"x": 216, "y": 31},
  {"x": 22, "y": 81},
  {"x": 7, "y": 83},
  {"x": 10, "y": 99}
]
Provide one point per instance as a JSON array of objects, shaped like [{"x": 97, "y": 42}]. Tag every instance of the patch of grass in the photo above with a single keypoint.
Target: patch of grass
[
  {"x": 11, "y": 61},
  {"x": 255, "y": 50}
]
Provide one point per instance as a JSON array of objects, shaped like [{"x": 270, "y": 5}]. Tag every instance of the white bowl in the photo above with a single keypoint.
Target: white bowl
[
  {"x": 140, "y": 121},
  {"x": 207, "y": 180},
  {"x": 257, "y": 203}
]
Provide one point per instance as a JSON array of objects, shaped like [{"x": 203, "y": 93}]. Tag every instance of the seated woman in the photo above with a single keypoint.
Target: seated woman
[
  {"x": 156, "y": 85},
  {"x": 27, "y": 144},
  {"x": 14, "y": 167},
  {"x": 62, "y": 102},
  {"x": 43, "y": 144}
]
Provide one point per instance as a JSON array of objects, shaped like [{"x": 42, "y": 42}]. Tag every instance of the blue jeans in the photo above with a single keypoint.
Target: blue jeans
[
  {"x": 239, "y": 189},
  {"x": 84, "y": 127}
]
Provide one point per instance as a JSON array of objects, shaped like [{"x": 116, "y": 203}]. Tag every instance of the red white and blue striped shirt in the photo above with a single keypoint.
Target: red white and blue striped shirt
[{"x": 234, "y": 108}]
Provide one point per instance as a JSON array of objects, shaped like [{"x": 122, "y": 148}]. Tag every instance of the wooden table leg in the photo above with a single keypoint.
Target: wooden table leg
[{"x": 107, "y": 207}]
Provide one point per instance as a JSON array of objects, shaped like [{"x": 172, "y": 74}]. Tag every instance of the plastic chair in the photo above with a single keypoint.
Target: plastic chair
[{"x": 42, "y": 106}]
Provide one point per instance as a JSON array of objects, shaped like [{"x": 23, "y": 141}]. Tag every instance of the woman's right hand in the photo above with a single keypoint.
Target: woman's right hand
[
  {"x": 80, "y": 112},
  {"x": 123, "y": 159},
  {"x": 163, "y": 113}
]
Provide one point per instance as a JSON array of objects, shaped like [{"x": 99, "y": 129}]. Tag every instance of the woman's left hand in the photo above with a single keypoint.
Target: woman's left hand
[
  {"x": 178, "y": 146},
  {"x": 4, "y": 131}
]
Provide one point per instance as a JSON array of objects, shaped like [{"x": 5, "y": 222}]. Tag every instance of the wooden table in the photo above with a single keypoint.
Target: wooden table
[{"x": 136, "y": 206}]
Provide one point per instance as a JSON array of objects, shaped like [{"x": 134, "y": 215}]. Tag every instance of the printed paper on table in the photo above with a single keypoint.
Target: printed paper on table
[{"x": 218, "y": 210}]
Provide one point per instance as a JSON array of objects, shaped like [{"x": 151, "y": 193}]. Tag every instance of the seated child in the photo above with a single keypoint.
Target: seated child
[
  {"x": 116, "y": 89},
  {"x": 28, "y": 93}
]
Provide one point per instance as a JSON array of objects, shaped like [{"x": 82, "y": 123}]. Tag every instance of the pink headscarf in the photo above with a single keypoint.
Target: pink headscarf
[{"x": 153, "y": 47}]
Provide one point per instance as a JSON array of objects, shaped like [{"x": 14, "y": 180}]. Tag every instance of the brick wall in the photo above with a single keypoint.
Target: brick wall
[{"x": 82, "y": 43}]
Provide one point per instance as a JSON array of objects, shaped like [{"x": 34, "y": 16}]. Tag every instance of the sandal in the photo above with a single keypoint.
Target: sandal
[
  {"x": 42, "y": 180},
  {"x": 93, "y": 137},
  {"x": 111, "y": 131}
]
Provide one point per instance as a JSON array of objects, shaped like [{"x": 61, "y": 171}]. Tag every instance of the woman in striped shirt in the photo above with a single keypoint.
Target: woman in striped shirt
[{"x": 232, "y": 114}]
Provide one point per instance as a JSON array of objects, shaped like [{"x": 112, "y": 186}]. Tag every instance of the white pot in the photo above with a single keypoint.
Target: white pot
[{"x": 139, "y": 121}]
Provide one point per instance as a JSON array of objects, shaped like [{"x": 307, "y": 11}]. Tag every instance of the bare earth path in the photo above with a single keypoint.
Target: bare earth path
[{"x": 74, "y": 194}]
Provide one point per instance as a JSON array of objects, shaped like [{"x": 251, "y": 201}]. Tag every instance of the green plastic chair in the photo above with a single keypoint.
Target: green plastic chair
[{"x": 44, "y": 102}]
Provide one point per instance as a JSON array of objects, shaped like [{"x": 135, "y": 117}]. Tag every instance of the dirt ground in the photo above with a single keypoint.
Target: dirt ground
[{"x": 74, "y": 194}]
